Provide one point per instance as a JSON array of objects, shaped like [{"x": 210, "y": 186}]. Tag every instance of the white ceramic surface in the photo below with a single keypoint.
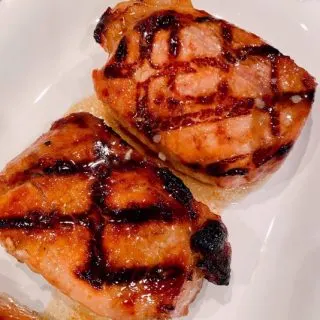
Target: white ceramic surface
[{"x": 46, "y": 56}]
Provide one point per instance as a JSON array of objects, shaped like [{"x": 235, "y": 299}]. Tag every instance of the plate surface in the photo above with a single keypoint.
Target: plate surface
[{"x": 47, "y": 53}]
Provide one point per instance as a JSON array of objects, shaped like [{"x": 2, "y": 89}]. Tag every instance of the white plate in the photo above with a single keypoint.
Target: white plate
[{"x": 46, "y": 56}]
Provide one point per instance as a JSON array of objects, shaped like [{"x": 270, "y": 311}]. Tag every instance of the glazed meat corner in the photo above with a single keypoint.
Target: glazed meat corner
[
  {"x": 107, "y": 226},
  {"x": 222, "y": 105}
]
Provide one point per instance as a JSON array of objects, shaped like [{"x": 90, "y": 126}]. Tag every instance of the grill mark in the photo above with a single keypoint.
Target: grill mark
[
  {"x": 235, "y": 108},
  {"x": 274, "y": 121},
  {"x": 38, "y": 220},
  {"x": 217, "y": 171},
  {"x": 174, "y": 43},
  {"x": 122, "y": 50},
  {"x": 96, "y": 266},
  {"x": 226, "y": 33},
  {"x": 220, "y": 168},
  {"x": 211, "y": 62},
  {"x": 100, "y": 28},
  {"x": 264, "y": 155},
  {"x": 263, "y": 50},
  {"x": 138, "y": 215},
  {"x": 143, "y": 118},
  {"x": 206, "y": 19},
  {"x": 155, "y": 278},
  {"x": 119, "y": 70},
  {"x": 229, "y": 56},
  {"x": 148, "y": 27}
]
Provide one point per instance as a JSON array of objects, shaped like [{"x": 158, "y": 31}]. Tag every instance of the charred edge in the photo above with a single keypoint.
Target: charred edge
[
  {"x": 219, "y": 169},
  {"x": 138, "y": 215},
  {"x": 119, "y": 70},
  {"x": 97, "y": 34},
  {"x": 310, "y": 95},
  {"x": 96, "y": 266},
  {"x": 274, "y": 121},
  {"x": 205, "y": 19},
  {"x": 264, "y": 155},
  {"x": 263, "y": 50},
  {"x": 122, "y": 51},
  {"x": 38, "y": 220},
  {"x": 148, "y": 27},
  {"x": 177, "y": 189},
  {"x": 80, "y": 119},
  {"x": 174, "y": 43},
  {"x": 226, "y": 32},
  {"x": 225, "y": 162},
  {"x": 211, "y": 242},
  {"x": 167, "y": 308}
]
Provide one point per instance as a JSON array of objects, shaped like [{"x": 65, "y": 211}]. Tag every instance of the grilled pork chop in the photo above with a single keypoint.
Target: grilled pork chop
[
  {"x": 216, "y": 101},
  {"x": 107, "y": 226}
]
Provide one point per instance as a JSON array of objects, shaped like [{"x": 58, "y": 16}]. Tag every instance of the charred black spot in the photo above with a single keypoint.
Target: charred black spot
[
  {"x": 284, "y": 150},
  {"x": 97, "y": 34},
  {"x": 211, "y": 242},
  {"x": 310, "y": 95},
  {"x": 62, "y": 167},
  {"x": 194, "y": 166},
  {"x": 219, "y": 170},
  {"x": 122, "y": 50},
  {"x": 216, "y": 268},
  {"x": 166, "y": 308},
  {"x": 210, "y": 239}
]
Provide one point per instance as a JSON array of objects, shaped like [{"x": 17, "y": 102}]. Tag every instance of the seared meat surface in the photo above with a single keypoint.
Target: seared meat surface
[
  {"x": 220, "y": 103},
  {"x": 107, "y": 226}
]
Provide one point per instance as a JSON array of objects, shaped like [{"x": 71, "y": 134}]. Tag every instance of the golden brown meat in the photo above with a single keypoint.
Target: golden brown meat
[
  {"x": 107, "y": 226},
  {"x": 216, "y": 101}
]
